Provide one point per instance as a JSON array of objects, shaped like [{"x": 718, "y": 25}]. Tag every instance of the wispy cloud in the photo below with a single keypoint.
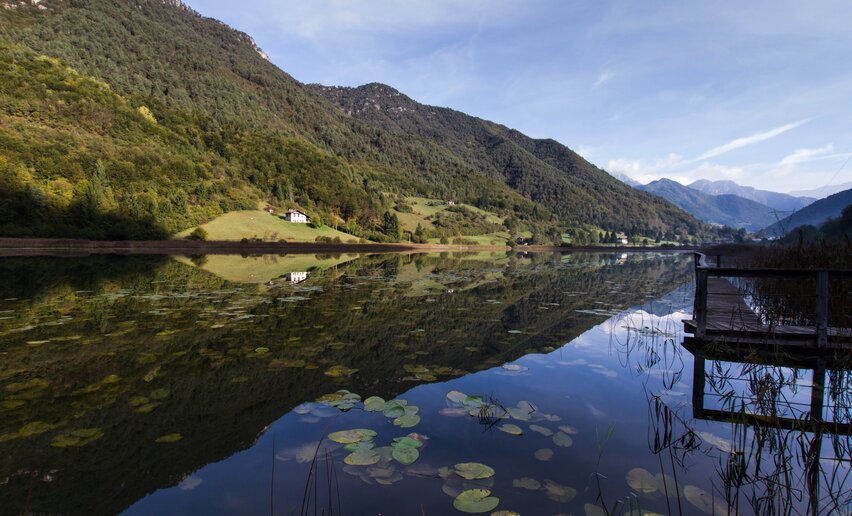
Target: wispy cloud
[
  {"x": 605, "y": 76},
  {"x": 802, "y": 155},
  {"x": 635, "y": 169},
  {"x": 745, "y": 141}
]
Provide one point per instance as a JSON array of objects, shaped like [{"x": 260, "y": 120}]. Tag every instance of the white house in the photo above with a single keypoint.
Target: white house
[
  {"x": 296, "y": 277},
  {"x": 294, "y": 215}
]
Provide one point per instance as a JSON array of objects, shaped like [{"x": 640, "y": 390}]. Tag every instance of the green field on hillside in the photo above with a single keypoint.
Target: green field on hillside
[
  {"x": 237, "y": 225},
  {"x": 265, "y": 268}
]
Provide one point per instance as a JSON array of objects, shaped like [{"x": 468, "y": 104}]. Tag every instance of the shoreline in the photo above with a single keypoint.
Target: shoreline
[{"x": 76, "y": 247}]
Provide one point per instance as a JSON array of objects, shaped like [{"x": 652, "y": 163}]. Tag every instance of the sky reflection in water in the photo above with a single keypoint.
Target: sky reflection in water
[{"x": 589, "y": 344}]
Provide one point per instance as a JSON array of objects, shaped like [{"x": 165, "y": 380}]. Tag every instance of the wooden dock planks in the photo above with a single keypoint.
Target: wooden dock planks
[{"x": 730, "y": 318}]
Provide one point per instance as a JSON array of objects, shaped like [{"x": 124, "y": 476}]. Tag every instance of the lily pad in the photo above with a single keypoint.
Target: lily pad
[
  {"x": 159, "y": 394},
  {"x": 505, "y": 513},
  {"x": 361, "y": 445},
  {"x": 407, "y": 420},
  {"x": 169, "y": 438},
  {"x": 519, "y": 414},
  {"x": 473, "y": 401},
  {"x": 562, "y": 439},
  {"x": 541, "y": 430},
  {"x": 544, "y": 454},
  {"x": 340, "y": 371},
  {"x": 527, "y": 407},
  {"x": 568, "y": 429},
  {"x": 374, "y": 404},
  {"x": 35, "y": 428},
  {"x": 80, "y": 437},
  {"x": 526, "y": 483},
  {"x": 558, "y": 492},
  {"x": 385, "y": 453},
  {"x": 406, "y": 442},
  {"x": 405, "y": 455},
  {"x": 362, "y": 458},
  {"x": 476, "y": 501},
  {"x": 473, "y": 470},
  {"x": 395, "y": 408},
  {"x": 352, "y": 436},
  {"x": 511, "y": 429},
  {"x": 641, "y": 480}
]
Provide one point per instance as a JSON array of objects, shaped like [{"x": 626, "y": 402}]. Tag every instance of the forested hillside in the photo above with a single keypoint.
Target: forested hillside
[
  {"x": 814, "y": 214},
  {"x": 543, "y": 170},
  {"x": 152, "y": 119}
]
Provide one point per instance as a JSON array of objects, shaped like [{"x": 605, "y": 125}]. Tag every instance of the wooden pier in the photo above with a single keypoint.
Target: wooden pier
[{"x": 721, "y": 313}]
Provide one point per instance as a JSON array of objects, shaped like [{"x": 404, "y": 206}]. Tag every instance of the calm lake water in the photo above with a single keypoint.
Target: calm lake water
[{"x": 391, "y": 384}]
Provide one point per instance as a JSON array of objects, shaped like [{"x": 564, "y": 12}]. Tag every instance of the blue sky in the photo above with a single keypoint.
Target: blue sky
[{"x": 757, "y": 92}]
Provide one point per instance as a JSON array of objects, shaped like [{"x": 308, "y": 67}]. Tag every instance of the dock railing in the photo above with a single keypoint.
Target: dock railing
[{"x": 703, "y": 271}]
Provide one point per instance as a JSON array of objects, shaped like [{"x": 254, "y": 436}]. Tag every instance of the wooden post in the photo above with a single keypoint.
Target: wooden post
[
  {"x": 701, "y": 304},
  {"x": 817, "y": 392},
  {"x": 698, "y": 382},
  {"x": 822, "y": 309}
]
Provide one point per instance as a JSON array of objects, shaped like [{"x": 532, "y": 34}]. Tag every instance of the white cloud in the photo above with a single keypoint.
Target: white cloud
[
  {"x": 802, "y": 155},
  {"x": 605, "y": 76},
  {"x": 624, "y": 166},
  {"x": 745, "y": 141},
  {"x": 638, "y": 171}
]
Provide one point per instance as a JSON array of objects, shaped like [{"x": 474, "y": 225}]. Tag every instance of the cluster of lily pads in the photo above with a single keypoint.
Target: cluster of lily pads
[
  {"x": 647, "y": 484},
  {"x": 493, "y": 413}
]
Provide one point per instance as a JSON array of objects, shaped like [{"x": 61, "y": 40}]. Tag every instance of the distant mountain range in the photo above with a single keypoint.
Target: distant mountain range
[
  {"x": 814, "y": 214},
  {"x": 824, "y": 191},
  {"x": 731, "y": 204},
  {"x": 724, "y": 209},
  {"x": 779, "y": 201}
]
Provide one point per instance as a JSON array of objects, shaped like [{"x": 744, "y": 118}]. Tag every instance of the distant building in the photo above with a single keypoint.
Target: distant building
[
  {"x": 270, "y": 209},
  {"x": 451, "y": 202},
  {"x": 296, "y": 277},
  {"x": 294, "y": 215}
]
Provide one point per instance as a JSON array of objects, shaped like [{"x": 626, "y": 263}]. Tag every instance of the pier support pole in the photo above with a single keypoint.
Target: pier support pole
[
  {"x": 822, "y": 309},
  {"x": 701, "y": 304}
]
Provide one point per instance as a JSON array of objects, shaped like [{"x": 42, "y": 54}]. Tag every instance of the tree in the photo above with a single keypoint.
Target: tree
[
  {"x": 198, "y": 233},
  {"x": 390, "y": 225}
]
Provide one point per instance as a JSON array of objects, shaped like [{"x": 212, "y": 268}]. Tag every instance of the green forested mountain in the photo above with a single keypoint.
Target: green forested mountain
[
  {"x": 140, "y": 118},
  {"x": 543, "y": 170},
  {"x": 815, "y": 214}
]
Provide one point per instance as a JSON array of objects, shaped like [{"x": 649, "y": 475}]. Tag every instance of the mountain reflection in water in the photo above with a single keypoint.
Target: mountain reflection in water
[{"x": 186, "y": 386}]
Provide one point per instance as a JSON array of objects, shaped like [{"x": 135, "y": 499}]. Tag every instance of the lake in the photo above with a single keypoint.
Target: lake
[{"x": 423, "y": 384}]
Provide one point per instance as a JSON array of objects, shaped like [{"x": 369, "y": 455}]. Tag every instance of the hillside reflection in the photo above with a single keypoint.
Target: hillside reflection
[{"x": 122, "y": 375}]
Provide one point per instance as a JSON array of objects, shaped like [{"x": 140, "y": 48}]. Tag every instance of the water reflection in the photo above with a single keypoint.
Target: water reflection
[{"x": 190, "y": 386}]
